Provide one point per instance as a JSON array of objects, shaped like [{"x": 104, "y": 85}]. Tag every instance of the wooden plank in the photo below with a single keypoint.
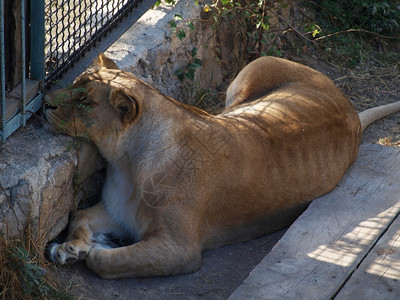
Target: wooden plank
[
  {"x": 378, "y": 276},
  {"x": 12, "y": 34},
  {"x": 328, "y": 241},
  {"x": 14, "y": 97}
]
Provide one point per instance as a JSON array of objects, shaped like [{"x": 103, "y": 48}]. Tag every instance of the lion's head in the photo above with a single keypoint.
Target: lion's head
[{"x": 99, "y": 105}]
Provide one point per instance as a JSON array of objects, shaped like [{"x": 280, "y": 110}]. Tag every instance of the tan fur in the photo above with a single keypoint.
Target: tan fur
[{"x": 180, "y": 180}]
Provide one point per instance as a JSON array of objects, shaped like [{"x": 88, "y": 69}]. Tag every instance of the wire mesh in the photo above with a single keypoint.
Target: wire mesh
[{"x": 71, "y": 27}]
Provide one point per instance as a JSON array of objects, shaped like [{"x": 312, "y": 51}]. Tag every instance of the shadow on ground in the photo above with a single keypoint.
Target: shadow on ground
[{"x": 223, "y": 270}]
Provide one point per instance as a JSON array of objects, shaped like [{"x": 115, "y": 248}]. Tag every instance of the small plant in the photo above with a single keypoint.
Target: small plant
[
  {"x": 352, "y": 30},
  {"x": 251, "y": 21},
  {"x": 178, "y": 30},
  {"x": 381, "y": 17},
  {"x": 187, "y": 72},
  {"x": 248, "y": 25},
  {"x": 243, "y": 24},
  {"x": 24, "y": 273}
]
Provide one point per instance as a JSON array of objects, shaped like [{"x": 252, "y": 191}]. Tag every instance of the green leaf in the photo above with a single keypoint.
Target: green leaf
[
  {"x": 178, "y": 72},
  {"x": 180, "y": 77},
  {"x": 190, "y": 25},
  {"x": 189, "y": 74},
  {"x": 172, "y": 23},
  {"x": 194, "y": 51},
  {"x": 197, "y": 63},
  {"x": 178, "y": 16},
  {"x": 181, "y": 34}
]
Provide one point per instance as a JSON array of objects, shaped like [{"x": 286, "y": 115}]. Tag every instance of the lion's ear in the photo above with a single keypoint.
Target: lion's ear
[
  {"x": 125, "y": 105},
  {"x": 103, "y": 62}
]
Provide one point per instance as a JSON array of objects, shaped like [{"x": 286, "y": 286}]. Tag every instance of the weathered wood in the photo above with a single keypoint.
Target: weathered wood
[
  {"x": 13, "y": 49},
  {"x": 14, "y": 97},
  {"x": 378, "y": 277},
  {"x": 329, "y": 240}
]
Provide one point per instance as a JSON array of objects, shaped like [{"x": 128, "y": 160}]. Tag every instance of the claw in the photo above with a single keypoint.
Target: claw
[
  {"x": 52, "y": 251},
  {"x": 62, "y": 253}
]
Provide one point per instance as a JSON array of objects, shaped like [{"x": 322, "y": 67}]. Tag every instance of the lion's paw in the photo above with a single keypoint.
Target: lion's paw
[{"x": 68, "y": 252}]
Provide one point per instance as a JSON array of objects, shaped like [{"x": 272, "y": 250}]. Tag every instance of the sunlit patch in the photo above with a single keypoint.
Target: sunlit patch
[
  {"x": 345, "y": 251},
  {"x": 386, "y": 261}
]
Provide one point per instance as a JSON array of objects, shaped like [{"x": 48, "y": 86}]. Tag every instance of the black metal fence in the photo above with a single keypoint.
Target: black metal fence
[
  {"x": 39, "y": 41},
  {"x": 71, "y": 27}
]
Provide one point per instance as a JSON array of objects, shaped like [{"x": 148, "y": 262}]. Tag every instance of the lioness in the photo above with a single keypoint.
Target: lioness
[{"x": 180, "y": 181}]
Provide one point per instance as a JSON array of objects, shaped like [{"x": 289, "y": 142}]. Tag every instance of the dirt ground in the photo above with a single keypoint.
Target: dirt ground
[{"x": 224, "y": 269}]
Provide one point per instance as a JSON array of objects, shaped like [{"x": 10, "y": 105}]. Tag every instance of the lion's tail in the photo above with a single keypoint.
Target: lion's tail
[{"x": 372, "y": 114}]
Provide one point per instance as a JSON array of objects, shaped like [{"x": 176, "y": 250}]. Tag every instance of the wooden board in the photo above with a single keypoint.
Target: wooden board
[
  {"x": 378, "y": 276},
  {"x": 13, "y": 98},
  {"x": 324, "y": 246}
]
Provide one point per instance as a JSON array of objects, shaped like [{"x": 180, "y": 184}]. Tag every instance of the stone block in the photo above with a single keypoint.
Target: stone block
[{"x": 37, "y": 171}]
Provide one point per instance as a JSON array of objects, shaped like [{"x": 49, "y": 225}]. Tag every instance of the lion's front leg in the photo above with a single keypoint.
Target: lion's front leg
[
  {"x": 84, "y": 231},
  {"x": 157, "y": 255}
]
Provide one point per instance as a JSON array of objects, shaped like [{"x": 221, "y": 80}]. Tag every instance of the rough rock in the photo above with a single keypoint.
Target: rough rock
[
  {"x": 151, "y": 51},
  {"x": 37, "y": 172}
]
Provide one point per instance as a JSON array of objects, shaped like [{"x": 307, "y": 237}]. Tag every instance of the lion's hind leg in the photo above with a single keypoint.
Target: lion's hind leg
[{"x": 86, "y": 229}]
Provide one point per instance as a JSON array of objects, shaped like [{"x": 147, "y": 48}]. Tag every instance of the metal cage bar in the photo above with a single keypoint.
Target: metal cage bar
[
  {"x": 37, "y": 40},
  {"x": 2, "y": 73},
  {"x": 66, "y": 41},
  {"x": 23, "y": 62}
]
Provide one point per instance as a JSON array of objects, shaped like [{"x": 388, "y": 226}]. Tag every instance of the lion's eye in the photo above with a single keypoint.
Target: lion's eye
[{"x": 85, "y": 101}]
